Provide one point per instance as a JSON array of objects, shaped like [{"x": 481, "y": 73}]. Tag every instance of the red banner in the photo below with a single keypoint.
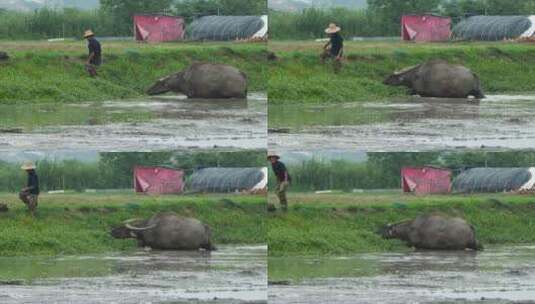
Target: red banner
[
  {"x": 426, "y": 180},
  {"x": 158, "y": 180},
  {"x": 425, "y": 28},
  {"x": 158, "y": 28}
]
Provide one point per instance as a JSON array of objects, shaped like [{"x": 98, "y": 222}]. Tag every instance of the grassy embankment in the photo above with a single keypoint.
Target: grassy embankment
[
  {"x": 298, "y": 76},
  {"x": 80, "y": 223},
  {"x": 342, "y": 224},
  {"x": 54, "y": 72}
]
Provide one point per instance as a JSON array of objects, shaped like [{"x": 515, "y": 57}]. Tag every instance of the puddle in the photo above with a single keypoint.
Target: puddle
[
  {"x": 152, "y": 124},
  {"x": 499, "y": 274},
  {"x": 499, "y": 122},
  {"x": 229, "y": 275}
]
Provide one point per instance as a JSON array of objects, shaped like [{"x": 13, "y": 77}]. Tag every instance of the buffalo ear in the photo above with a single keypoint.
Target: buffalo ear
[
  {"x": 390, "y": 230},
  {"x": 383, "y": 230},
  {"x": 133, "y": 234}
]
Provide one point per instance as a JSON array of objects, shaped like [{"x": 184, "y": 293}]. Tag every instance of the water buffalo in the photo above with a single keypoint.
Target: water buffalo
[
  {"x": 4, "y": 56},
  {"x": 166, "y": 231},
  {"x": 204, "y": 80},
  {"x": 437, "y": 232},
  {"x": 438, "y": 78}
]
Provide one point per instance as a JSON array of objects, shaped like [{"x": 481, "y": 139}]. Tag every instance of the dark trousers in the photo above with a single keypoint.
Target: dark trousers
[
  {"x": 91, "y": 69},
  {"x": 282, "y": 187},
  {"x": 328, "y": 56},
  {"x": 30, "y": 200}
]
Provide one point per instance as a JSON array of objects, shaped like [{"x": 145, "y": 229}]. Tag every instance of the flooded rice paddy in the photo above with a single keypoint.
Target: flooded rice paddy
[
  {"x": 149, "y": 124},
  {"x": 499, "y": 122},
  {"x": 229, "y": 275},
  {"x": 503, "y": 274}
]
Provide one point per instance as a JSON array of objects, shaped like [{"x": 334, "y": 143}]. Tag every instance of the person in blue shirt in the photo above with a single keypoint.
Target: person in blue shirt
[
  {"x": 94, "y": 60},
  {"x": 334, "y": 49},
  {"x": 29, "y": 194}
]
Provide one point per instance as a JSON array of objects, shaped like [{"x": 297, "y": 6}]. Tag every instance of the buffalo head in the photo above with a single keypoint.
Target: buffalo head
[
  {"x": 128, "y": 229},
  {"x": 160, "y": 87},
  {"x": 395, "y": 231},
  {"x": 386, "y": 231},
  {"x": 394, "y": 80},
  {"x": 171, "y": 83},
  {"x": 402, "y": 77}
]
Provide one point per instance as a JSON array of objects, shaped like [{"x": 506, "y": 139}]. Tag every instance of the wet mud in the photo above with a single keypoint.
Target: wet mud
[
  {"x": 497, "y": 275},
  {"x": 230, "y": 275},
  {"x": 499, "y": 122},
  {"x": 155, "y": 124}
]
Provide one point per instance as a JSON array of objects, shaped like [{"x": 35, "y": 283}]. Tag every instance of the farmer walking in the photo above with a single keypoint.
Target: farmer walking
[
  {"x": 30, "y": 193},
  {"x": 283, "y": 179},
  {"x": 95, "y": 53},
  {"x": 334, "y": 49}
]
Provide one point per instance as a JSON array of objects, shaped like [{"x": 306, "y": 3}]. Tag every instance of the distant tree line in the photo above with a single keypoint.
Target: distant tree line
[
  {"x": 382, "y": 170},
  {"x": 115, "y": 170},
  {"x": 114, "y": 18},
  {"x": 48, "y": 23},
  {"x": 383, "y": 17}
]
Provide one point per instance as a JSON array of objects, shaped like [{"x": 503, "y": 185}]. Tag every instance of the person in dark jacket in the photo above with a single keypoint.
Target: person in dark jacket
[
  {"x": 29, "y": 194},
  {"x": 283, "y": 179},
  {"x": 94, "y": 60},
  {"x": 334, "y": 49}
]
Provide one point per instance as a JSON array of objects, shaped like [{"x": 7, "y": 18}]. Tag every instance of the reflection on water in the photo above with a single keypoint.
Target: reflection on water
[
  {"x": 230, "y": 275},
  {"x": 406, "y": 110},
  {"x": 497, "y": 275},
  {"x": 298, "y": 117},
  {"x": 29, "y": 117},
  {"x": 415, "y": 124},
  {"x": 160, "y": 123}
]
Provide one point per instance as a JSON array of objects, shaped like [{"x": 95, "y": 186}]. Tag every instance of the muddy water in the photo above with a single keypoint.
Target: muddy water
[
  {"x": 496, "y": 275},
  {"x": 498, "y": 122},
  {"x": 229, "y": 275},
  {"x": 164, "y": 123}
]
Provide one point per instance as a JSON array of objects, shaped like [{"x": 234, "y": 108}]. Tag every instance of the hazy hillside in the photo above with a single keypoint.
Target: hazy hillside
[
  {"x": 29, "y": 5},
  {"x": 19, "y": 157},
  {"x": 83, "y": 4},
  {"x": 298, "y": 157},
  {"x": 296, "y": 5},
  {"x": 284, "y": 5},
  {"x": 19, "y": 5},
  {"x": 344, "y": 3}
]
